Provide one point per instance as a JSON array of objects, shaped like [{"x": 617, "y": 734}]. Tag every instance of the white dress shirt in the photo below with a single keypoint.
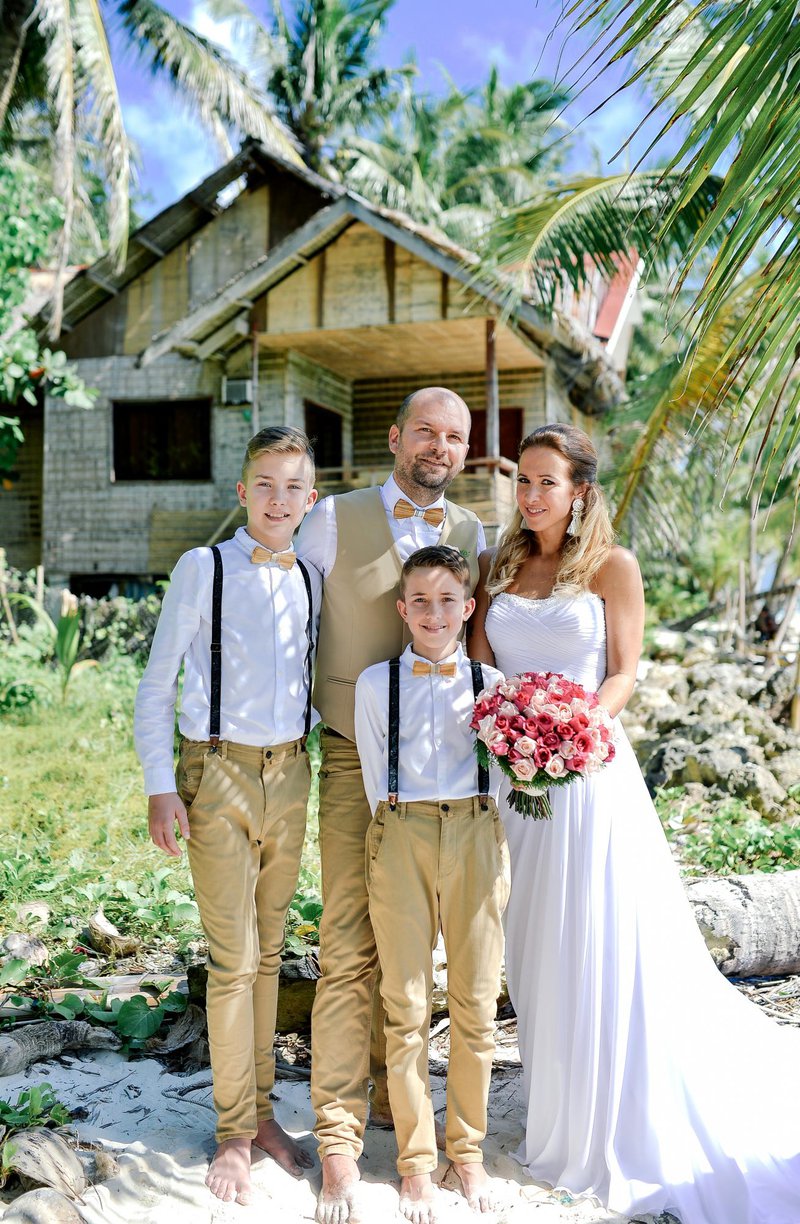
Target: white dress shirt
[
  {"x": 264, "y": 649},
  {"x": 316, "y": 540},
  {"x": 437, "y": 755}
]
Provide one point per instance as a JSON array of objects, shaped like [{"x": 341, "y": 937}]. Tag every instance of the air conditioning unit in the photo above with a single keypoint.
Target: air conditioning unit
[{"x": 237, "y": 391}]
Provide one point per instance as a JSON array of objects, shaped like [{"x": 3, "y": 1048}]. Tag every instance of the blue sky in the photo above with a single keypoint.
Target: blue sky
[{"x": 523, "y": 37}]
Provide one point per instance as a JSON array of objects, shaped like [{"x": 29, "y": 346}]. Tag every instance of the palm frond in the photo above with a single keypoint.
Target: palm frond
[
  {"x": 103, "y": 118},
  {"x": 749, "y": 127},
  {"x": 56, "y": 26},
  {"x": 205, "y": 74},
  {"x": 586, "y": 223}
]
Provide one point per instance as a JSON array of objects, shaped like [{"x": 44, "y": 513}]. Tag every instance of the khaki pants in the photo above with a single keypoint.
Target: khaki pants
[
  {"x": 347, "y": 1028},
  {"x": 431, "y": 866},
  {"x": 247, "y": 817}
]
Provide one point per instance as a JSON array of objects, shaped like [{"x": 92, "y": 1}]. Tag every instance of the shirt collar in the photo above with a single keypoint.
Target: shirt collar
[
  {"x": 392, "y": 493},
  {"x": 247, "y": 543},
  {"x": 409, "y": 656}
]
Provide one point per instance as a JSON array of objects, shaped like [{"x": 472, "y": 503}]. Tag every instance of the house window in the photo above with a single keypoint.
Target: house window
[{"x": 162, "y": 439}]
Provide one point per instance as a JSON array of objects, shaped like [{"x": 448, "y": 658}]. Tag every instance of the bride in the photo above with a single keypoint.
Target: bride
[{"x": 649, "y": 1081}]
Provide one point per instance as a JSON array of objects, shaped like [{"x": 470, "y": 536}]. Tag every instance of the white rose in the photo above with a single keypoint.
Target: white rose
[
  {"x": 525, "y": 745},
  {"x": 555, "y": 767},
  {"x": 486, "y": 727},
  {"x": 567, "y": 749}
]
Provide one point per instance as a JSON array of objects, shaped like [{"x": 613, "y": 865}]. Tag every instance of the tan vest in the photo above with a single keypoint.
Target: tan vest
[{"x": 360, "y": 624}]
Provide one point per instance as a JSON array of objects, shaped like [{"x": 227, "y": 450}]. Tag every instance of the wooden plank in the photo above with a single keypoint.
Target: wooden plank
[
  {"x": 238, "y": 326},
  {"x": 265, "y": 273},
  {"x": 492, "y": 393},
  {"x": 389, "y": 250},
  {"x": 173, "y": 532},
  {"x": 444, "y": 295},
  {"x": 320, "y": 310}
]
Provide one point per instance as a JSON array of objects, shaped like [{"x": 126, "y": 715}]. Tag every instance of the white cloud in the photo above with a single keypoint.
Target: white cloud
[
  {"x": 175, "y": 151},
  {"x": 519, "y": 62}
]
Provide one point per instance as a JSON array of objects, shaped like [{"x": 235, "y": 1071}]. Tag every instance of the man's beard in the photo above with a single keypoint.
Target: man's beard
[{"x": 426, "y": 477}]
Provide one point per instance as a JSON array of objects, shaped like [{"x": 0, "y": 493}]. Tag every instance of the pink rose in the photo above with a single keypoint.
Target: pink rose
[
  {"x": 612, "y": 752},
  {"x": 525, "y": 745},
  {"x": 578, "y": 763},
  {"x": 496, "y": 743},
  {"x": 584, "y": 743},
  {"x": 531, "y": 726},
  {"x": 501, "y": 722},
  {"x": 564, "y": 731},
  {"x": 579, "y": 722},
  {"x": 524, "y": 769},
  {"x": 541, "y": 756},
  {"x": 514, "y": 755},
  {"x": 544, "y": 723},
  {"x": 555, "y": 767},
  {"x": 551, "y": 740}
]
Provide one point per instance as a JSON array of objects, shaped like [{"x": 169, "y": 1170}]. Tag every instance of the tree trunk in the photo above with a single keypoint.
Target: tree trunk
[{"x": 750, "y": 923}]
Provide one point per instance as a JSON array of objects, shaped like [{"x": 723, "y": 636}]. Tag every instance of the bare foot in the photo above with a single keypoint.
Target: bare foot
[
  {"x": 340, "y": 1178},
  {"x": 473, "y": 1182},
  {"x": 228, "y": 1175},
  {"x": 418, "y": 1199},
  {"x": 273, "y": 1140}
]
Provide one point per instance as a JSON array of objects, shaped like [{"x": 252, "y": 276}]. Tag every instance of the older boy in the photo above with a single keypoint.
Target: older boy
[
  {"x": 436, "y": 858},
  {"x": 242, "y": 618}
]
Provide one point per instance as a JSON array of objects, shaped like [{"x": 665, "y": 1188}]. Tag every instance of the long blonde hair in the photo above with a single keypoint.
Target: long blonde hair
[{"x": 582, "y": 555}]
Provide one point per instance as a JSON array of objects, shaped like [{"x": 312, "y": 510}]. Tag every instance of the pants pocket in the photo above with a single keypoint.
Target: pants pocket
[
  {"x": 190, "y": 773},
  {"x": 374, "y": 842},
  {"x": 503, "y": 860}
]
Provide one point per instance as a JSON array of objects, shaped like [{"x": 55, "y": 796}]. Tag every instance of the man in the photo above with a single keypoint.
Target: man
[{"x": 359, "y": 542}]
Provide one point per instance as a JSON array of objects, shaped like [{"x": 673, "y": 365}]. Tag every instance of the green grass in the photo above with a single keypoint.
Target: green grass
[{"x": 73, "y": 817}]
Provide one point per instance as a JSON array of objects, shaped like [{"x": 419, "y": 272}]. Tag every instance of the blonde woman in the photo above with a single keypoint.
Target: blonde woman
[{"x": 650, "y": 1083}]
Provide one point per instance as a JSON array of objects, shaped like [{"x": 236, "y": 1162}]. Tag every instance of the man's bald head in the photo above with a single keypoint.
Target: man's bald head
[{"x": 428, "y": 395}]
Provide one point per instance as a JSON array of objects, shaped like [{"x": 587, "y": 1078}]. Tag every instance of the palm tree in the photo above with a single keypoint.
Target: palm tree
[
  {"x": 726, "y": 76},
  {"x": 318, "y": 67},
  {"x": 56, "y": 57},
  {"x": 455, "y": 161}
]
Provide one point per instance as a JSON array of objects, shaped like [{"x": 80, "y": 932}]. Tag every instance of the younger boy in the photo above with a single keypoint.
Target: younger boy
[
  {"x": 242, "y": 617},
  {"x": 436, "y": 857}
]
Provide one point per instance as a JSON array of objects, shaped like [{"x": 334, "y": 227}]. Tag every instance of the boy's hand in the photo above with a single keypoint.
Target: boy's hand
[{"x": 162, "y": 812}]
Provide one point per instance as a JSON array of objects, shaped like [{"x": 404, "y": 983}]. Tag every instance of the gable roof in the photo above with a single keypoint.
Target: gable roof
[{"x": 218, "y": 321}]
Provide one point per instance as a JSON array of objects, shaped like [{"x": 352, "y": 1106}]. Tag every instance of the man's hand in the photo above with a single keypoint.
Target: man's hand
[{"x": 162, "y": 812}]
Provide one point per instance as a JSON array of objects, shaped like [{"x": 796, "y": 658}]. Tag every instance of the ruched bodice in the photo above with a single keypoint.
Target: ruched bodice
[{"x": 563, "y": 633}]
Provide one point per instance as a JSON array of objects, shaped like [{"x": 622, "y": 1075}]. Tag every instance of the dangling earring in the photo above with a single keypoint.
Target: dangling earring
[{"x": 574, "y": 528}]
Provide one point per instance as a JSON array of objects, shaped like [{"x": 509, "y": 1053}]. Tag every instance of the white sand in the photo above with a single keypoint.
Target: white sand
[{"x": 160, "y": 1126}]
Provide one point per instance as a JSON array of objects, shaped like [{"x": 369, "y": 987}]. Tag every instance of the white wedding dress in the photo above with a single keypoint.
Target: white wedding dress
[{"x": 650, "y": 1082}]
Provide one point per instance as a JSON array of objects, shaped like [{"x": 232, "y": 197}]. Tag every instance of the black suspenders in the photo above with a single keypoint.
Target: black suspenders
[
  {"x": 310, "y": 641},
  {"x": 216, "y": 648},
  {"x": 483, "y": 772},
  {"x": 394, "y": 733}
]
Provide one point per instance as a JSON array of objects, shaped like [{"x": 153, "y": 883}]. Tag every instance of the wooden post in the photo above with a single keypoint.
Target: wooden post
[
  {"x": 40, "y": 585},
  {"x": 389, "y": 266},
  {"x": 492, "y": 393}
]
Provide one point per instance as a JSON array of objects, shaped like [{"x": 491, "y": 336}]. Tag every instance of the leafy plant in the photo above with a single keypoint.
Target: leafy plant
[
  {"x": 35, "y": 1106},
  {"x": 63, "y": 636},
  {"x": 302, "y": 921},
  {"x": 727, "y": 839}
]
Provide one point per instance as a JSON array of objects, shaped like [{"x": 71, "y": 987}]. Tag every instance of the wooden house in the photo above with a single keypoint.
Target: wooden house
[{"x": 270, "y": 295}]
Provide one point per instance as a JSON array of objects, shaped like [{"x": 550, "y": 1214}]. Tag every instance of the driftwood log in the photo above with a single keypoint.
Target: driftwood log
[
  {"x": 42, "y": 1207},
  {"x": 49, "y": 1038},
  {"x": 751, "y": 923}
]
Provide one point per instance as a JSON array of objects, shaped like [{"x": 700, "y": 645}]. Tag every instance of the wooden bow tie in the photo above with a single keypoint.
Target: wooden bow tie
[
  {"x": 433, "y": 515},
  {"x": 264, "y": 556},
  {"x": 433, "y": 669}
]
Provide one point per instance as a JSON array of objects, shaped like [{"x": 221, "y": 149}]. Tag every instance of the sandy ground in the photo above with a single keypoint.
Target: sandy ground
[{"x": 159, "y": 1125}]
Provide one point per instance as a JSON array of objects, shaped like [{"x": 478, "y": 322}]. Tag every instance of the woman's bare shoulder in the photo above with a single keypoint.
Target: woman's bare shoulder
[{"x": 620, "y": 568}]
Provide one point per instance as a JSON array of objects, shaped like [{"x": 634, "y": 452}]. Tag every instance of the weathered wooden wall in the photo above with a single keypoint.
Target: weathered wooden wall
[
  {"x": 21, "y": 506},
  {"x": 362, "y": 280},
  {"x": 194, "y": 270},
  {"x": 375, "y": 404}
]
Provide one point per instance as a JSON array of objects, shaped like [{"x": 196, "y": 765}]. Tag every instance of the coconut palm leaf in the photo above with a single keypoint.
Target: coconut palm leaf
[
  {"x": 103, "y": 122},
  {"x": 749, "y": 128},
  {"x": 563, "y": 234},
  {"x": 204, "y": 73},
  {"x": 56, "y": 25}
]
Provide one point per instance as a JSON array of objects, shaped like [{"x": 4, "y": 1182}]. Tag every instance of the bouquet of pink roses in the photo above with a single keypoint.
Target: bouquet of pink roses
[{"x": 542, "y": 730}]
